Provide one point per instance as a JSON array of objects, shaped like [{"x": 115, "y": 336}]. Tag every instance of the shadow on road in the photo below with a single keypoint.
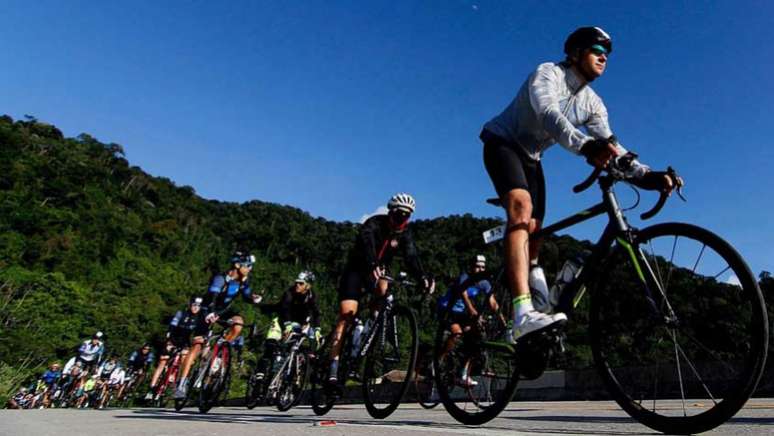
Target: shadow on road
[{"x": 289, "y": 418}]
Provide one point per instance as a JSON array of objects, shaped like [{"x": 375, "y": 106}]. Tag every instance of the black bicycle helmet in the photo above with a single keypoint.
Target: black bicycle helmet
[{"x": 585, "y": 37}]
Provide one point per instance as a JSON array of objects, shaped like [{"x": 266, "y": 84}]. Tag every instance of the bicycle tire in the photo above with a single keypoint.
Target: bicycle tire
[
  {"x": 447, "y": 369},
  {"x": 213, "y": 383},
  {"x": 424, "y": 382},
  {"x": 320, "y": 394},
  {"x": 372, "y": 374},
  {"x": 750, "y": 341},
  {"x": 252, "y": 392},
  {"x": 180, "y": 403},
  {"x": 299, "y": 378}
]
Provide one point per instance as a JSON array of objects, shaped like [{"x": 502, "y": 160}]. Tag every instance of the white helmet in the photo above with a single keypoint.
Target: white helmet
[
  {"x": 480, "y": 260},
  {"x": 305, "y": 277},
  {"x": 402, "y": 201},
  {"x": 97, "y": 335}
]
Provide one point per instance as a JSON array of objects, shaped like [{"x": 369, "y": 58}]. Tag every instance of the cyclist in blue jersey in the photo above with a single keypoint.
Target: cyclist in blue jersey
[
  {"x": 224, "y": 289},
  {"x": 554, "y": 105},
  {"x": 50, "y": 379},
  {"x": 467, "y": 305}
]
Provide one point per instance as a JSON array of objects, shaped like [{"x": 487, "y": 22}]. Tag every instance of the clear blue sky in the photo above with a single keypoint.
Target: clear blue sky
[{"x": 333, "y": 106}]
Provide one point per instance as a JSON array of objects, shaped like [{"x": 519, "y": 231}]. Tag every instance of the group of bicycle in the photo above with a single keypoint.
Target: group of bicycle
[
  {"x": 89, "y": 379},
  {"x": 497, "y": 327}
]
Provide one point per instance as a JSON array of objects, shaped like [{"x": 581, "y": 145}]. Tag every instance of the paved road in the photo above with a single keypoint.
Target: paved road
[{"x": 554, "y": 418}]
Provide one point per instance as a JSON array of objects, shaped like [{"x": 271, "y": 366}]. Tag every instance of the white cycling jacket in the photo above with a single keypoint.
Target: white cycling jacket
[{"x": 552, "y": 106}]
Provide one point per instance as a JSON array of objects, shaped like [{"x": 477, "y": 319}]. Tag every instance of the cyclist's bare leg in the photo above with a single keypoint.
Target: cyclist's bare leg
[
  {"x": 157, "y": 372},
  {"x": 236, "y": 328},
  {"x": 380, "y": 290},
  {"x": 456, "y": 334},
  {"x": 518, "y": 208},
  {"x": 191, "y": 356},
  {"x": 347, "y": 311}
]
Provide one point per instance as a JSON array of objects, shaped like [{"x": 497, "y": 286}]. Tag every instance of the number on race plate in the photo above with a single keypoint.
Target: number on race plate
[{"x": 494, "y": 234}]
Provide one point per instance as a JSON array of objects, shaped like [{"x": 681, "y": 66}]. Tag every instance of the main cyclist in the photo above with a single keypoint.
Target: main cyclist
[
  {"x": 217, "y": 304},
  {"x": 550, "y": 107},
  {"x": 297, "y": 308},
  {"x": 379, "y": 239}
]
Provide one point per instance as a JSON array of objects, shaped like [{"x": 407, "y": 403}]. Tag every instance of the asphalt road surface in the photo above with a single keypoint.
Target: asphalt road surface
[{"x": 548, "y": 418}]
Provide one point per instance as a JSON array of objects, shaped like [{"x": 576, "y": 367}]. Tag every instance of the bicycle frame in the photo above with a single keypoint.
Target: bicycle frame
[
  {"x": 286, "y": 364},
  {"x": 617, "y": 230}
]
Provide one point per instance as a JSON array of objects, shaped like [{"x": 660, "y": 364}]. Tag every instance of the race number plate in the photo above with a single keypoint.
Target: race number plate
[{"x": 494, "y": 234}]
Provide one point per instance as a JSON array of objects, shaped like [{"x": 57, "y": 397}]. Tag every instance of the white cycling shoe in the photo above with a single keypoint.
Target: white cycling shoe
[{"x": 534, "y": 321}]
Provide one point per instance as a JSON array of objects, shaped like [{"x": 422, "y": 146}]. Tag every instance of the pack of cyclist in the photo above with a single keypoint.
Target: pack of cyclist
[{"x": 554, "y": 105}]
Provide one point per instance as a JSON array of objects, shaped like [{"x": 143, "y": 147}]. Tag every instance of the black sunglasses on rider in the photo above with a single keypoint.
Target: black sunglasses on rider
[{"x": 598, "y": 50}]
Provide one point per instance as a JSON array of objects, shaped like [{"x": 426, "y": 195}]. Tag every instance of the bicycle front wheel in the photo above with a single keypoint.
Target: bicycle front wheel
[
  {"x": 293, "y": 381},
  {"x": 390, "y": 360},
  {"x": 679, "y": 328},
  {"x": 214, "y": 378}
]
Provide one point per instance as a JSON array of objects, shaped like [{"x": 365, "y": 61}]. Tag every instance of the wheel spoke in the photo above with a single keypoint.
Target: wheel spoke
[
  {"x": 695, "y": 373},
  {"x": 679, "y": 371},
  {"x": 701, "y": 253},
  {"x": 671, "y": 262},
  {"x": 721, "y": 272}
]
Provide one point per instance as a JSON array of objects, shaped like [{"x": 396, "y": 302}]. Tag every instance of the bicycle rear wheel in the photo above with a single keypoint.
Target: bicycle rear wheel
[
  {"x": 253, "y": 391},
  {"x": 424, "y": 381},
  {"x": 476, "y": 375},
  {"x": 389, "y": 362},
  {"x": 679, "y": 329},
  {"x": 321, "y": 395}
]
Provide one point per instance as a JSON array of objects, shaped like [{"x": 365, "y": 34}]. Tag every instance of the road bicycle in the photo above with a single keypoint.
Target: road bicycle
[
  {"x": 678, "y": 324},
  {"x": 384, "y": 356},
  {"x": 214, "y": 372},
  {"x": 290, "y": 370},
  {"x": 167, "y": 379}
]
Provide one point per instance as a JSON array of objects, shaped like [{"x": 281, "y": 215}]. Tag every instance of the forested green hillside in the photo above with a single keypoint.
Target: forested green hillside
[{"x": 89, "y": 242}]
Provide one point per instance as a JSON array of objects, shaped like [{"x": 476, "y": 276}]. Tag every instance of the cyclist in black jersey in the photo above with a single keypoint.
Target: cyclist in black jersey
[
  {"x": 380, "y": 238},
  {"x": 297, "y": 308},
  {"x": 185, "y": 329}
]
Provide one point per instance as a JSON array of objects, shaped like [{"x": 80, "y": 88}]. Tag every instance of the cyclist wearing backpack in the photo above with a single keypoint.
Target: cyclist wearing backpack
[
  {"x": 380, "y": 238},
  {"x": 550, "y": 107},
  {"x": 217, "y": 305}
]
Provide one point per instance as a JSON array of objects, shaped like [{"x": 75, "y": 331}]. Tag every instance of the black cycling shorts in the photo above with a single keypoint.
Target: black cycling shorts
[
  {"x": 511, "y": 169},
  {"x": 463, "y": 319},
  {"x": 352, "y": 284}
]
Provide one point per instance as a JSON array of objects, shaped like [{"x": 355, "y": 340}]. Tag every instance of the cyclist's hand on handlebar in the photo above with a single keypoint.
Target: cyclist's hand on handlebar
[
  {"x": 211, "y": 318},
  {"x": 379, "y": 272},
  {"x": 429, "y": 285},
  {"x": 662, "y": 181},
  {"x": 598, "y": 152}
]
